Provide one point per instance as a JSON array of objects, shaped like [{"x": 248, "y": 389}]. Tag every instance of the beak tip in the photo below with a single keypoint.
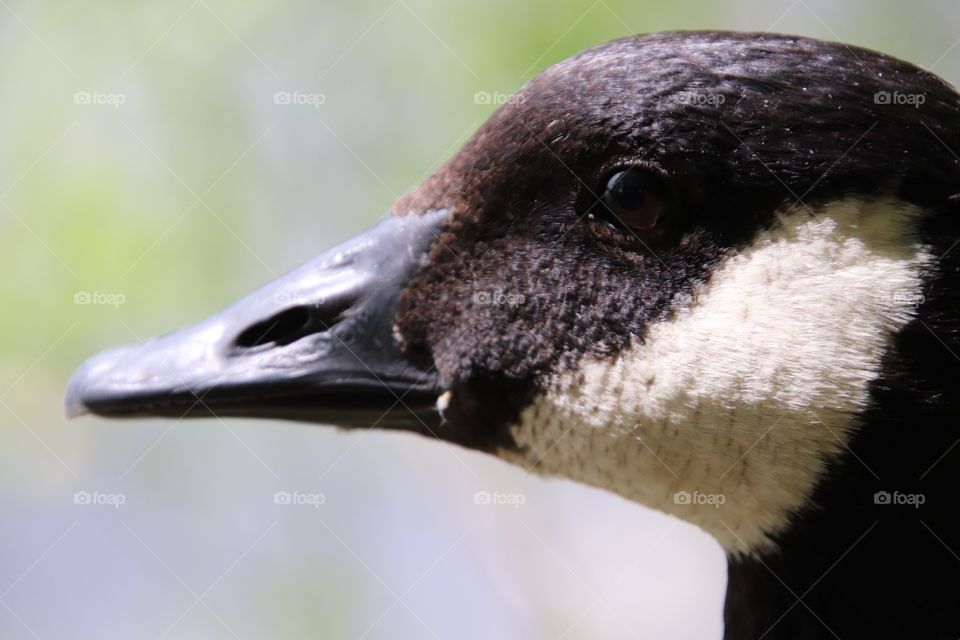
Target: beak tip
[
  {"x": 88, "y": 382},
  {"x": 73, "y": 402},
  {"x": 73, "y": 409}
]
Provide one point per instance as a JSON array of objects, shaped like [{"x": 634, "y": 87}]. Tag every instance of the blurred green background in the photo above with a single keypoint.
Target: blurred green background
[{"x": 148, "y": 177}]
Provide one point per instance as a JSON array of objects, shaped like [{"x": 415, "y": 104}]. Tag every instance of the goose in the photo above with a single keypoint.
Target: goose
[{"x": 712, "y": 272}]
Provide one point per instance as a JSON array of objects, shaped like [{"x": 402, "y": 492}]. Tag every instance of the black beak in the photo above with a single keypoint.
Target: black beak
[{"x": 315, "y": 345}]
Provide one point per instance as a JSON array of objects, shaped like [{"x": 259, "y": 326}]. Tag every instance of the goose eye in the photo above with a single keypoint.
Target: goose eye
[{"x": 635, "y": 198}]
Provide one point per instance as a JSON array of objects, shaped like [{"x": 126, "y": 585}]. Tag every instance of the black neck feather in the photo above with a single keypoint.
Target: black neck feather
[{"x": 877, "y": 554}]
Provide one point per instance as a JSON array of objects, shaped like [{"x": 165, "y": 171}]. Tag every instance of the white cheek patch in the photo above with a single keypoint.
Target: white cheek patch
[{"x": 728, "y": 413}]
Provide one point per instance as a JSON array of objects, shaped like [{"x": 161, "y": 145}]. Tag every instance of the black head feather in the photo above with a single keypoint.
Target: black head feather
[{"x": 737, "y": 125}]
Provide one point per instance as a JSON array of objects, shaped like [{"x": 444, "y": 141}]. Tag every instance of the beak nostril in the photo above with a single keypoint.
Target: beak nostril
[
  {"x": 282, "y": 328},
  {"x": 294, "y": 323}
]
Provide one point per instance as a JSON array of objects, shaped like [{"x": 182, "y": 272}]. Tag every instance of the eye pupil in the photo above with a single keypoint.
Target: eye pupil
[
  {"x": 635, "y": 198},
  {"x": 626, "y": 190}
]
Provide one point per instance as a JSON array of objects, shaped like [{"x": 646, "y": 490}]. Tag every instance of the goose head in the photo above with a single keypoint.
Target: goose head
[{"x": 688, "y": 268}]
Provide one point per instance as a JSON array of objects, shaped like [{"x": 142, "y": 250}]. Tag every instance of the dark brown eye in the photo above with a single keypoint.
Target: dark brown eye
[{"x": 635, "y": 198}]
